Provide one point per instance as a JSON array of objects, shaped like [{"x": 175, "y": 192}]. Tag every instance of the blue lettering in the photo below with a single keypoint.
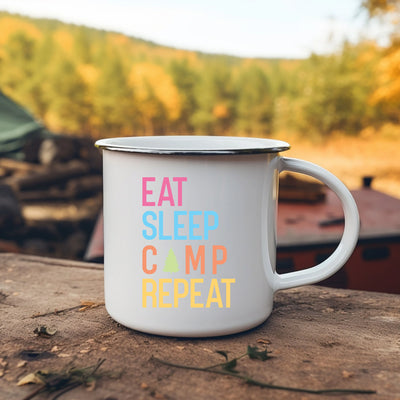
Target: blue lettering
[
  {"x": 161, "y": 227},
  {"x": 208, "y": 227},
  {"x": 153, "y": 234},
  {"x": 193, "y": 226},
  {"x": 178, "y": 226}
]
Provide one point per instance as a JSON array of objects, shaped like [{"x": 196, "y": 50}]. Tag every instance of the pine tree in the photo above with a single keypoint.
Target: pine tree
[
  {"x": 215, "y": 97},
  {"x": 171, "y": 263},
  {"x": 68, "y": 108},
  {"x": 185, "y": 79},
  {"x": 113, "y": 99},
  {"x": 254, "y": 105}
]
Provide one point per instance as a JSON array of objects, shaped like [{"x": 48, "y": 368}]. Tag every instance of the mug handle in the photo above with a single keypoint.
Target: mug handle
[{"x": 350, "y": 234}]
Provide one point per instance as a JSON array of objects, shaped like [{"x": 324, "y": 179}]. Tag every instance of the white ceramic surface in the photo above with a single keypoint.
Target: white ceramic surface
[{"x": 190, "y": 232}]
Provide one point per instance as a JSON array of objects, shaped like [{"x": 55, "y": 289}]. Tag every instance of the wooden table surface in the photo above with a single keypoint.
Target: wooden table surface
[{"x": 319, "y": 338}]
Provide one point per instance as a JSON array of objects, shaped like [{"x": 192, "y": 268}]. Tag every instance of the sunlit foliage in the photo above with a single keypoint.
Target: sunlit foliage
[{"x": 86, "y": 81}]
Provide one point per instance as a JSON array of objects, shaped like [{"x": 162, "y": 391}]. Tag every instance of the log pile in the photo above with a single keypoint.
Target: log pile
[{"x": 50, "y": 200}]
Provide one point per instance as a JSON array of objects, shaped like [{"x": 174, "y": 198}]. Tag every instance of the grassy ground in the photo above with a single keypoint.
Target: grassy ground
[{"x": 372, "y": 153}]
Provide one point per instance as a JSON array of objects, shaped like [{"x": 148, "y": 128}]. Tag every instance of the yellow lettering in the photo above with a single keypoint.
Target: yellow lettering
[
  {"x": 162, "y": 294},
  {"x": 178, "y": 295},
  {"x": 181, "y": 289},
  {"x": 228, "y": 290},
  {"x": 194, "y": 294},
  {"x": 214, "y": 287},
  {"x": 147, "y": 293}
]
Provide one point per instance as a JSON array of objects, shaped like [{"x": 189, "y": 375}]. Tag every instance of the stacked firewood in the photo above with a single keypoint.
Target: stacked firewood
[{"x": 50, "y": 200}]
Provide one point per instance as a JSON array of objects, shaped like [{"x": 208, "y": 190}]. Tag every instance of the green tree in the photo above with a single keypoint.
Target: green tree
[
  {"x": 185, "y": 79},
  {"x": 171, "y": 263},
  {"x": 336, "y": 92},
  {"x": 17, "y": 63},
  {"x": 113, "y": 101},
  {"x": 82, "y": 46},
  {"x": 386, "y": 96},
  {"x": 215, "y": 97},
  {"x": 254, "y": 105},
  {"x": 158, "y": 99},
  {"x": 68, "y": 108},
  {"x": 37, "y": 87}
]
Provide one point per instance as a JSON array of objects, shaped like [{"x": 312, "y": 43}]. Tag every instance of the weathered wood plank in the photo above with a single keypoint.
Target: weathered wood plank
[
  {"x": 53, "y": 174},
  {"x": 319, "y": 337}
]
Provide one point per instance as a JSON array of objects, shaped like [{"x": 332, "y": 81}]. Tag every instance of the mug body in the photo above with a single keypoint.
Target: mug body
[{"x": 189, "y": 240}]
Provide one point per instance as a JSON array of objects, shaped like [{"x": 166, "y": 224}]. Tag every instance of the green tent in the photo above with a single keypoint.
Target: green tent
[{"x": 17, "y": 126}]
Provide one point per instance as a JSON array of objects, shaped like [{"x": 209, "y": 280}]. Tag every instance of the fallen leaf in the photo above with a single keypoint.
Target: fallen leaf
[
  {"x": 62, "y": 381},
  {"x": 207, "y": 350},
  {"x": 22, "y": 364},
  {"x": 85, "y": 304},
  {"x": 347, "y": 374},
  {"x": 223, "y": 353},
  {"x": 144, "y": 385},
  {"x": 230, "y": 366},
  {"x": 30, "y": 378},
  {"x": 109, "y": 333},
  {"x": 263, "y": 341}
]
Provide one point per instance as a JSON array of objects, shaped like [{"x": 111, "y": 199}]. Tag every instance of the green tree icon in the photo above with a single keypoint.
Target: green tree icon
[{"x": 171, "y": 264}]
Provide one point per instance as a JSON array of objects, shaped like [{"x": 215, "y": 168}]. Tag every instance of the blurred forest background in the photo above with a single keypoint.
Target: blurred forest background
[{"x": 340, "y": 110}]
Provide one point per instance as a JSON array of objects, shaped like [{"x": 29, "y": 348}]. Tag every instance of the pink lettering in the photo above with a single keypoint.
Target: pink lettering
[
  {"x": 146, "y": 191},
  {"x": 180, "y": 179},
  {"x": 166, "y": 186}
]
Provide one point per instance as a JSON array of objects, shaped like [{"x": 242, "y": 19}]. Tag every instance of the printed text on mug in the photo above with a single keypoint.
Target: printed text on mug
[{"x": 187, "y": 225}]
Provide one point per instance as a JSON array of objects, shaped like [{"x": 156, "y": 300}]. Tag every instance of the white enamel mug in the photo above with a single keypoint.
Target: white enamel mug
[{"x": 190, "y": 232}]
